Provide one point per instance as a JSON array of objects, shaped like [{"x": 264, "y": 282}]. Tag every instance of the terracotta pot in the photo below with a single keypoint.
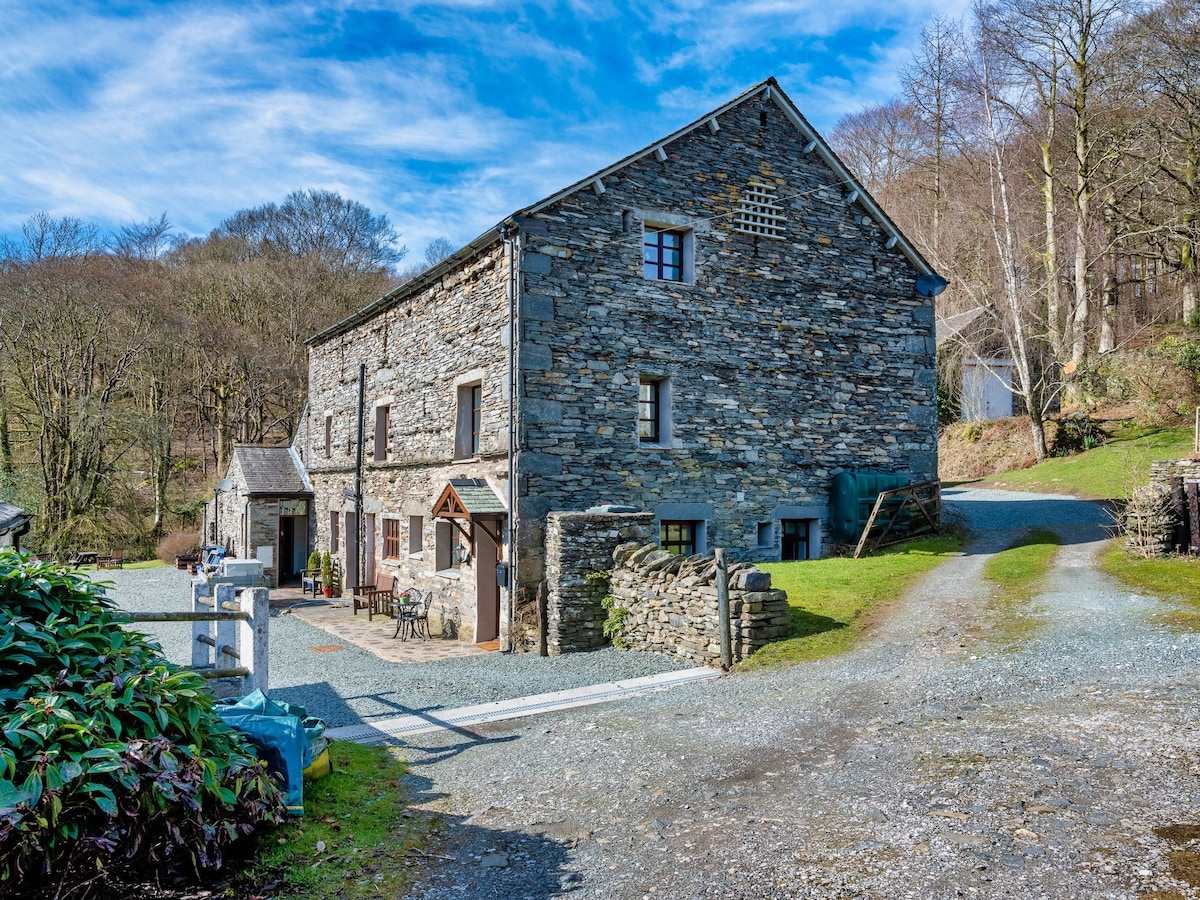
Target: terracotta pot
[{"x": 328, "y": 592}]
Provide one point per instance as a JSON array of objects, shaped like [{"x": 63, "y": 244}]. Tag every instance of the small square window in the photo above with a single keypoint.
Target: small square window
[
  {"x": 391, "y": 538},
  {"x": 766, "y": 535},
  {"x": 662, "y": 254},
  {"x": 681, "y": 538}
]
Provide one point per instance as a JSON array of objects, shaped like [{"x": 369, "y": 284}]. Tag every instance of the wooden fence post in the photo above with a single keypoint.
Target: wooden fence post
[
  {"x": 723, "y": 610},
  {"x": 252, "y": 639}
]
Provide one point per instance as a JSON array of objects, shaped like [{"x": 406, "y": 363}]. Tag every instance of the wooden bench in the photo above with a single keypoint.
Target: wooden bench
[{"x": 375, "y": 598}]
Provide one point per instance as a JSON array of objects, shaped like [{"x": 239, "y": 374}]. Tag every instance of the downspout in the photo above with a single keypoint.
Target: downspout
[
  {"x": 509, "y": 234},
  {"x": 358, "y": 467}
]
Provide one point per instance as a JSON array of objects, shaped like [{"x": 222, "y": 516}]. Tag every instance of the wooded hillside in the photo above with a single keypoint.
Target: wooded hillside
[{"x": 1044, "y": 156}]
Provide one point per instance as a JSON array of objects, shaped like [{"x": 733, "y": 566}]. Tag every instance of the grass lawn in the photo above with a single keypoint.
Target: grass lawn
[
  {"x": 1110, "y": 472},
  {"x": 354, "y": 839},
  {"x": 1173, "y": 578},
  {"x": 1019, "y": 570},
  {"x": 831, "y": 599}
]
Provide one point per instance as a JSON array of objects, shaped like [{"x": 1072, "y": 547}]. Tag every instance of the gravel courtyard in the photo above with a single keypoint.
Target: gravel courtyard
[{"x": 942, "y": 759}]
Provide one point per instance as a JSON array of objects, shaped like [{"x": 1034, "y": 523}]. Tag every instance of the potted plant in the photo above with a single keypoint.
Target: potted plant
[
  {"x": 326, "y": 574},
  {"x": 314, "y": 561}
]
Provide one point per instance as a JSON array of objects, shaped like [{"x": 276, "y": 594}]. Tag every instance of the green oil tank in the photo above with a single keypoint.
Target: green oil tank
[{"x": 853, "y": 497}]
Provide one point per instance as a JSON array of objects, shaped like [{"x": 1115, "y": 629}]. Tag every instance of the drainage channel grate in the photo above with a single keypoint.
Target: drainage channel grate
[{"x": 516, "y": 708}]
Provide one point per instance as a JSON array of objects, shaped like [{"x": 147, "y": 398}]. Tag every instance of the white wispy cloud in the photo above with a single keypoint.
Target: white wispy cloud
[{"x": 444, "y": 116}]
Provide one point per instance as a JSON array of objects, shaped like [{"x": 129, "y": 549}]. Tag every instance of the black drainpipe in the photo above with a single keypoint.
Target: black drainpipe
[{"x": 359, "y": 525}]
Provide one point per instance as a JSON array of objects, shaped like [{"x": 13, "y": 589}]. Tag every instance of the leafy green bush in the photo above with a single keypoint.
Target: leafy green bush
[{"x": 112, "y": 759}]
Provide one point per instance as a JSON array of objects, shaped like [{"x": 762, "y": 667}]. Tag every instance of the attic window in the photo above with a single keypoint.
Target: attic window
[{"x": 759, "y": 213}]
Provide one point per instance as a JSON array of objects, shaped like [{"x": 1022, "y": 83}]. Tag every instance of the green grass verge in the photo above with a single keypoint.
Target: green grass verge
[
  {"x": 353, "y": 839},
  {"x": 831, "y": 599},
  {"x": 1019, "y": 570},
  {"x": 1110, "y": 472},
  {"x": 1017, "y": 575},
  {"x": 1175, "y": 579}
]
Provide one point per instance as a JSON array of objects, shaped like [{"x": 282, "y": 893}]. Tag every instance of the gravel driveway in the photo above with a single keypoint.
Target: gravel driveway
[{"x": 945, "y": 758}]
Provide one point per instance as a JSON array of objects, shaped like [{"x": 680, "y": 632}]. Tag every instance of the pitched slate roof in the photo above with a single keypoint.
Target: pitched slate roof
[
  {"x": 952, "y": 326},
  {"x": 768, "y": 90},
  {"x": 271, "y": 470}
]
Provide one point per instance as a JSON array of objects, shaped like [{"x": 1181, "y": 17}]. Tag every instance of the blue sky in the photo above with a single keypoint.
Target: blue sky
[{"x": 444, "y": 116}]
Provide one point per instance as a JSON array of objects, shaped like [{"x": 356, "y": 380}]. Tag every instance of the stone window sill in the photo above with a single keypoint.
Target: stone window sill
[{"x": 451, "y": 574}]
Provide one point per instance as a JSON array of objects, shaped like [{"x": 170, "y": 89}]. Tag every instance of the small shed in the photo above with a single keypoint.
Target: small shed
[
  {"x": 262, "y": 510},
  {"x": 986, "y": 372}
]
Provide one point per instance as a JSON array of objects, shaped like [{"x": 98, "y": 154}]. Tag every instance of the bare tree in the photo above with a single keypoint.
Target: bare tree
[{"x": 437, "y": 250}]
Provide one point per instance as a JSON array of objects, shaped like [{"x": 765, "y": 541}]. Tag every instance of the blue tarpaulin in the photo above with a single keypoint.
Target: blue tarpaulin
[{"x": 283, "y": 735}]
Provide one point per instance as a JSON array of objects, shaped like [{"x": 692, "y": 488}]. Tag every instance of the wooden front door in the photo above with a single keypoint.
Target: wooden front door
[{"x": 487, "y": 592}]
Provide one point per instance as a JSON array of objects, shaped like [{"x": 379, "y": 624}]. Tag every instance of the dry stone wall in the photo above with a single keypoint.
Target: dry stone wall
[
  {"x": 671, "y": 604},
  {"x": 578, "y": 545}
]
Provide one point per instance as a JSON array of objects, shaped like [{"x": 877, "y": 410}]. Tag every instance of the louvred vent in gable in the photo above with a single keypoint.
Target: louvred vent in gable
[{"x": 759, "y": 213}]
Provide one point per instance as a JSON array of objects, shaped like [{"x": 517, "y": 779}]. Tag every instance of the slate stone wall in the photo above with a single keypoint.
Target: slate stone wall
[
  {"x": 671, "y": 604},
  {"x": 418, "y": 352},
  {"x": 788, "y": 360},
  {"x": 579, "y": 545}
]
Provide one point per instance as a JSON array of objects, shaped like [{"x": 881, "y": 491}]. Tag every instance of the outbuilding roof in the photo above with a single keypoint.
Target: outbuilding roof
[
  {"x": 11, "y": 517},
  {"x": 767, "y": 90},
  {"x": 274, "y": 471}
]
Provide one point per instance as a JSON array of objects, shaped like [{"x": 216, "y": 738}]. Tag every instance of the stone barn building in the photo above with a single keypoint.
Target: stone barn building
[{"x": 707, "y": 331}]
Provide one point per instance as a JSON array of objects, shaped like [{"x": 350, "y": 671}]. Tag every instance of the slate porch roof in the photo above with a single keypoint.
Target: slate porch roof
[
  {"x": 465, "y": 498},
  {"x": 768, "y": 90},
  {"x": 271, "y": 471}
]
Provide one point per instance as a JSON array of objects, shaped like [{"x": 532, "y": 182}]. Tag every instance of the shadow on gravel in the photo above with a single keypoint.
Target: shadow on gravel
[
  {"x": 466, "y": 859},
  {"x": 318, "y": 700},
  {"x": 985, "y": 512}
]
